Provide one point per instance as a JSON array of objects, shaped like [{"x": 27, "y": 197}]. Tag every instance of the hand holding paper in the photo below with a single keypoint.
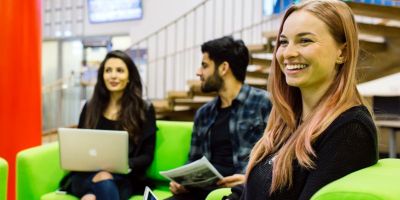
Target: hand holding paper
[
  {"x": 231, "y": 181},
  {"x": 199, "y": 174}
]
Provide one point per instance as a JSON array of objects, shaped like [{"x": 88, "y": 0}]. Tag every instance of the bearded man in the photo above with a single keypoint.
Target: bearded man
[{"x": 226, "y": 128}]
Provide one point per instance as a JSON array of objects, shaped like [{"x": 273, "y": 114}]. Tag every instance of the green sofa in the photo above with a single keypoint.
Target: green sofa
[
  {"x": 39, "y": 172},
  {"x": 3, "y": 179},
  {"x": 378, "y": 182}
]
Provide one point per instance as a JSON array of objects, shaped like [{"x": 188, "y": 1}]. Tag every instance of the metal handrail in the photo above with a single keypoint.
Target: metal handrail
[{"x": 173, "y": 51}]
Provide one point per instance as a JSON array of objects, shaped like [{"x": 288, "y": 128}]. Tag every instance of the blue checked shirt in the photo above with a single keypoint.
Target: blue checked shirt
[{"x": 249, "y": 114}]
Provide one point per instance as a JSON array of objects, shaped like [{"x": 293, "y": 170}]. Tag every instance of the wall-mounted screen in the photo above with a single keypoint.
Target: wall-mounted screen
[{"x": 101, "y": 11}]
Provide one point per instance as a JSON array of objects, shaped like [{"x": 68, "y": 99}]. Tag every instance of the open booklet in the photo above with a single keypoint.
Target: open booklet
[{"x": 198, "y": 174}]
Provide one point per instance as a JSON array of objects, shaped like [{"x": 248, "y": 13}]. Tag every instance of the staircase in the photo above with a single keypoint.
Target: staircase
[
  {"x": 379, "y": 40},
  {"x": 379, "y": 28}
]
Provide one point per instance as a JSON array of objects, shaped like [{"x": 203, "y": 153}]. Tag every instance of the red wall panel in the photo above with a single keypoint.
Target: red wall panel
[{"x": 20, "y": 80}]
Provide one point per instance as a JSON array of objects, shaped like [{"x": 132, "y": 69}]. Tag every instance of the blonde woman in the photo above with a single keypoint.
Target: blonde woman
[{"x": 319, "y": 129}]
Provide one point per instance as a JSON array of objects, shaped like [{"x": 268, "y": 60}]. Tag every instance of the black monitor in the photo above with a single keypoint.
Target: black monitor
[{"x": 387, "y": 107}]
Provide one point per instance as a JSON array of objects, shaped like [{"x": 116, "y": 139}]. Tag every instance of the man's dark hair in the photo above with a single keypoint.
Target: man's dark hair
[{"x": 232, "y": 51}]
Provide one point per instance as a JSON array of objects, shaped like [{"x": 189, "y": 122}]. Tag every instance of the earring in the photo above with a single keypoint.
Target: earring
[{"x": 339, "y": 61}]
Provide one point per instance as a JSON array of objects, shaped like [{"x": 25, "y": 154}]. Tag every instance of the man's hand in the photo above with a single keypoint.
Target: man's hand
[
  {"x": 177, "y": 188},
  {"x": 231, "y": 181}
]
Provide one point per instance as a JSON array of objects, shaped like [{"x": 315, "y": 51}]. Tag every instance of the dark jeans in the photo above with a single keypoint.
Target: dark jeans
[
  {"x": 105, "y": 190},
  {"x": 117, "y": 188}
]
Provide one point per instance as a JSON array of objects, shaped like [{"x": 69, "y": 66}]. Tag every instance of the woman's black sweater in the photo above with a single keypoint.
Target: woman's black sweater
[{"x": 347, "y": 145}]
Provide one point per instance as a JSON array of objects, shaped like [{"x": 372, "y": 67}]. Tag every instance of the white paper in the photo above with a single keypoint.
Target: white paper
[{"x": 200, "y": 174}]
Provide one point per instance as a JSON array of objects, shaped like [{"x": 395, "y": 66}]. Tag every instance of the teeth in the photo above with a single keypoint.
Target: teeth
[{"x": 296, "y": 66}]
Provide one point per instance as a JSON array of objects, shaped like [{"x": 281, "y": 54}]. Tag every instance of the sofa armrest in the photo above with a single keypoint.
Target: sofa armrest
[
  {"x": 38, "y": 171},
  {"x": 219, "y": 193},
  {"x": 3, "y": 179},
  {"x": 378, "y": 182}
]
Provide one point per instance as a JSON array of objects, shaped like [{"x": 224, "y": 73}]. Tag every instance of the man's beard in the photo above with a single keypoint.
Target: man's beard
[{"x": 212, "y": 84}]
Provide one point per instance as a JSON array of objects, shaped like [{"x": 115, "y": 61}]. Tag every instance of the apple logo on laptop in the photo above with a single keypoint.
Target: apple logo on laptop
[{"x": 93, "y": 152}]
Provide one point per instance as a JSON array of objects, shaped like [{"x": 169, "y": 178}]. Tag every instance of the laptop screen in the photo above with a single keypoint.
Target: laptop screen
[{"x": 148, "y": 194}]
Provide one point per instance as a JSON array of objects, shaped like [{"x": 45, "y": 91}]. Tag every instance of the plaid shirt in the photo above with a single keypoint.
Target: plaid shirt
[{"x": 249, "y": 114}]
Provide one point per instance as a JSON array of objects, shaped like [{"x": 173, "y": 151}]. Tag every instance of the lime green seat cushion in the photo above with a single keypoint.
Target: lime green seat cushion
[
  {"x": 172, "y": 147},
  {"x": 378, "y": 182},
  {"x": 3, "y": 179},
  {"x": 218, "y": 194},
  {"x": 57, "y": 196}
]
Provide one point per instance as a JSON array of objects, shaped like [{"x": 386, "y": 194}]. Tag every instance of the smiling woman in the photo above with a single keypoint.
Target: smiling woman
[
  {"x": 319, "y": 129},
  {"x": 307, "y": 54}
]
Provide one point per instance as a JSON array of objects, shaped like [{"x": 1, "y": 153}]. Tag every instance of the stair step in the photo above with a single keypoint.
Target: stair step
[
  {"x": 260, "y": 61},
  {"x": 257, "y": 71},
  {"x": 161, "y": 105},
  {"x": 371, "y": 10},
  {"x": 194, "y": 103},
  {"x": 180, "y": 113},
  {"x": 379, "y": 30},
  {"x": 372, "y": 47},
  {"x": 371, "y": 73},
  {"x": 257, "y": 48},
  {"x": 257, "y": 82},
  {"x": 256, "y": 75},
  {"x": 178, "y": 94}
]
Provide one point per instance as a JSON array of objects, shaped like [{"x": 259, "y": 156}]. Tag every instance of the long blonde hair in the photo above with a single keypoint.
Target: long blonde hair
[{"x": 284, "y": 138}]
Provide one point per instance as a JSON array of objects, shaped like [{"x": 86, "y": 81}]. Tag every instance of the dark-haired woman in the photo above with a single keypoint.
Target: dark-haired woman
[{"x": 117, "y": 104}]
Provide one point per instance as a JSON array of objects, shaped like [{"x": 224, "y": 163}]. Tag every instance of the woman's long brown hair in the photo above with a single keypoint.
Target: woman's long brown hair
[{"x": 132, "y": 112}]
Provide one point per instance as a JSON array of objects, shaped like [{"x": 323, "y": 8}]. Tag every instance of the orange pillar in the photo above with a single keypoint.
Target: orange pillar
[{"x": 20, "y": 93}]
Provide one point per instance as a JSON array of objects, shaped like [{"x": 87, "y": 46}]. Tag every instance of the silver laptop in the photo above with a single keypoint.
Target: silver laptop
[
  {"x": 148, "y": 194},
  {"x": 93, "y": 150}
]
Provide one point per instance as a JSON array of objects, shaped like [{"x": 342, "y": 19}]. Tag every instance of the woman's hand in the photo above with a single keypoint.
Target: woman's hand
[
  {"x": 177, "y": 188},
  {"x": 231, "y": 181}
]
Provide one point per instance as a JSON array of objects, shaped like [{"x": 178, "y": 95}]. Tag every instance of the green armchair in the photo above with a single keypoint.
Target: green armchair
[
  {"x": 378, "y": 182},
  {"x": 39, "y": 172},
  {"x": 3, "y": 179}
]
